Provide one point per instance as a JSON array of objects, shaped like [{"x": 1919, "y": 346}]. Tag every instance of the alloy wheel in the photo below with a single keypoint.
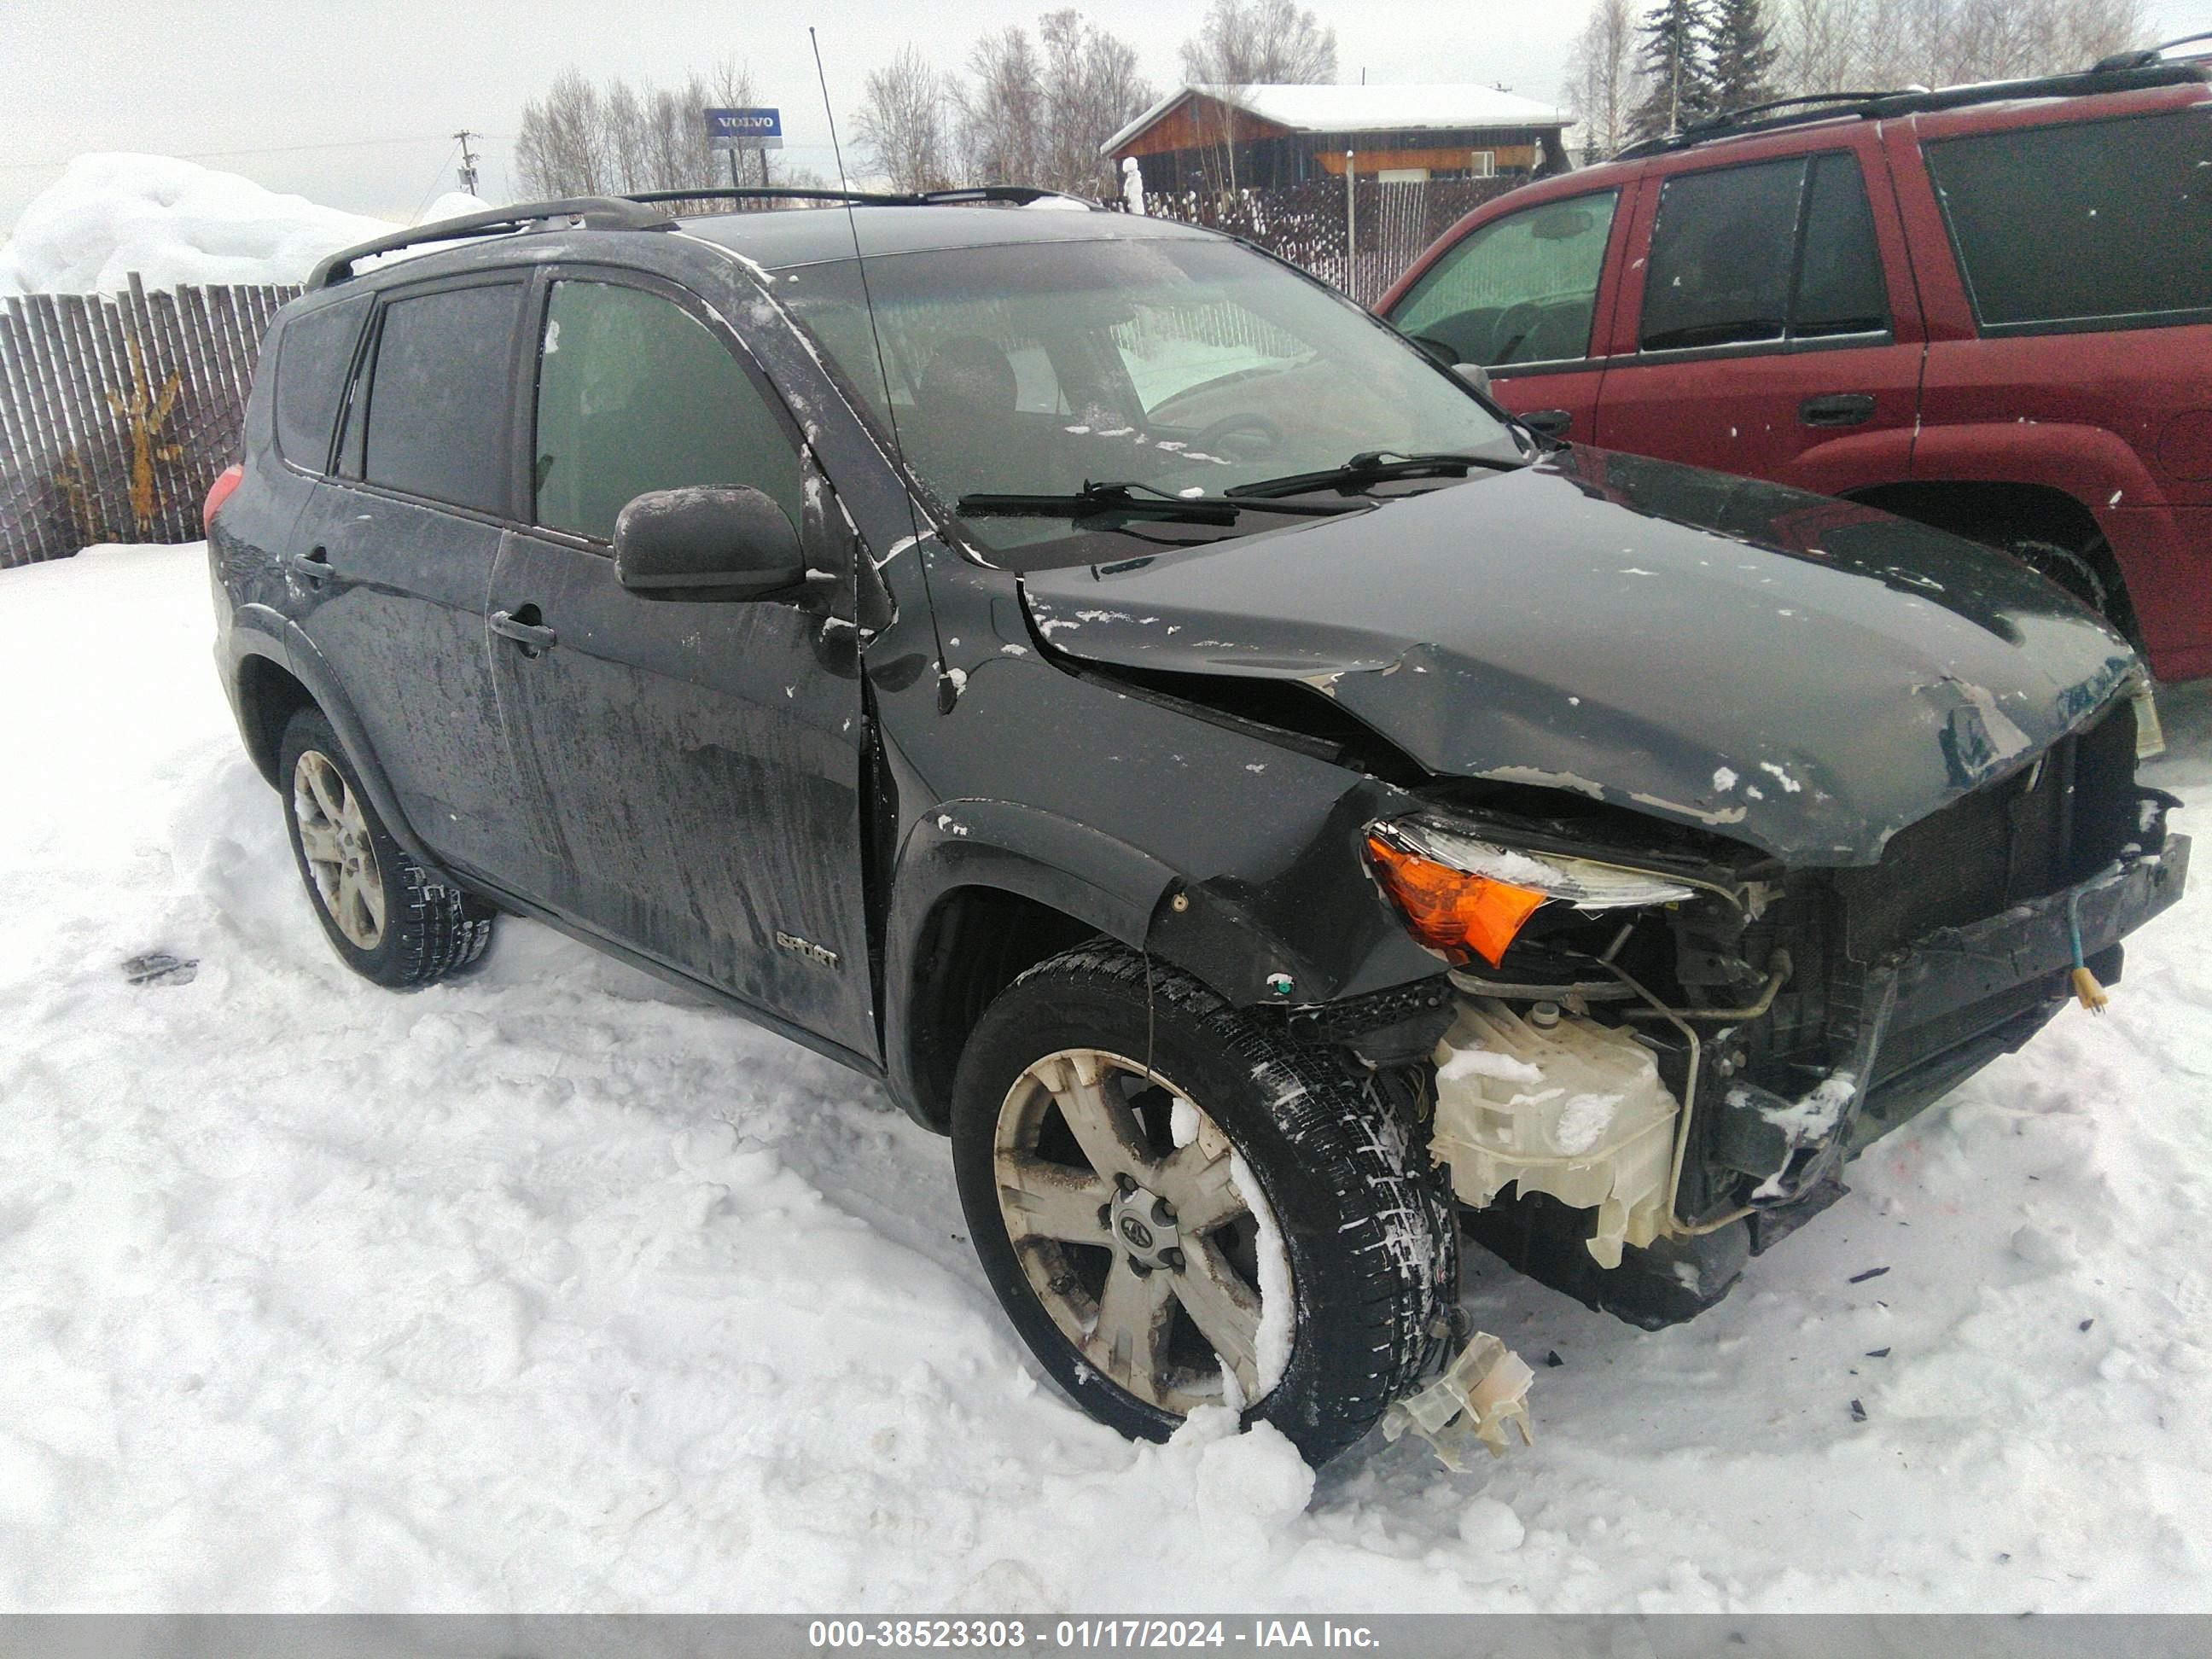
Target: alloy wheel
[
  {"x": 1137, "y": 1229},
  {"x": 335, "y": 840}
]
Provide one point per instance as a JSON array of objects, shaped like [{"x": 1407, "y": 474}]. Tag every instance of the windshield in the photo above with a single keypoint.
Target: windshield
[{"x": 1190, "y": 367}]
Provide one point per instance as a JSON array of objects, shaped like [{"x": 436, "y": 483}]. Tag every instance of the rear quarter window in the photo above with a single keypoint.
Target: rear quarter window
[
  {"x": 439, "y": 397},
  {"x": 2091, "y": 224},
  {"x": 314, "y": 354}
]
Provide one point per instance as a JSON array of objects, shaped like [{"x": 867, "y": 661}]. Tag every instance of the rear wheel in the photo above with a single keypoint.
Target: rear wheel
[
  {"x": 1178, "y": 1209},
  {"x": 388, "y": 918}
]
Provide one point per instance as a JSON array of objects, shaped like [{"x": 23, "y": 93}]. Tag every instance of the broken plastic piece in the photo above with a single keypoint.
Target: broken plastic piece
[
  {"x": 1479, "y": 1394},
  {"x": 2091, "y": 995}
]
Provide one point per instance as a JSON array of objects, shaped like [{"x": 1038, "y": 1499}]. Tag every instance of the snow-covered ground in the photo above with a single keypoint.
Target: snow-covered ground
[{"x": 553, "y": 1290}]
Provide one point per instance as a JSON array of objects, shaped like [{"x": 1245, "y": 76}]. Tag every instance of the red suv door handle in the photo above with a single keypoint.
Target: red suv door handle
[{"x": 1837, "y": 409}]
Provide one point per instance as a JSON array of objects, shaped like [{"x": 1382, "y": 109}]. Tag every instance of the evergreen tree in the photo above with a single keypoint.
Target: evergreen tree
[
  {"x": 1678, "y": 57},
  {"x": 1743, "y": 55}
]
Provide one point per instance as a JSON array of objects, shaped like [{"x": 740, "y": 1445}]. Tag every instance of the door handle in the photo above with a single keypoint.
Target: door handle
[
  {"x": 315, "y": 564},
  {"x": 1837, "y": 409},
  {"x": 1547, "y": 422},
  {"x": 524, "y": 628}
]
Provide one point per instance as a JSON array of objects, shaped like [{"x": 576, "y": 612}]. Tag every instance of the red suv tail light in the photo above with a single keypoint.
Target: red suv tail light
[{"x": 218, "y": 493}]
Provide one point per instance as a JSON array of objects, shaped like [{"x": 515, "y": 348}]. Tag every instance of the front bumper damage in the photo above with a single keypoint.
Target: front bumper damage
[
  {"x": 1925, "y": 1017},
  {"x": 1902, "y": 1030},
  {"x": 1993, "y": 983}
]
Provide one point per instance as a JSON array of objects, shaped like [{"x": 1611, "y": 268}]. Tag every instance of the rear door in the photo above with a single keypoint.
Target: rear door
[
  {"x": 1524, "y": 294},
  {"x": 1769, "y": 325},
  {"x": 701, "y": 761},
  {"x": 2100, "y": 322},
  {"x": 394, "y": 555}
]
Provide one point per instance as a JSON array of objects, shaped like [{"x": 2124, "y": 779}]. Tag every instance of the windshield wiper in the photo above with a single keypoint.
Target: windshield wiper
[
  {"x": 1374, "y": 467},
  {"x": 1122, "y": 502}
]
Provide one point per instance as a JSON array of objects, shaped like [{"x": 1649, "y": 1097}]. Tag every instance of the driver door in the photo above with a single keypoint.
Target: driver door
[
  {"x": 699, "y": 763},
  {"x": 1526, "y": 295}
]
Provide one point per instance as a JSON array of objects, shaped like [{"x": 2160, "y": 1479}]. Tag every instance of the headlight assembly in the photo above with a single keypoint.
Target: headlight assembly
[{"x": 1461, "y": 893}]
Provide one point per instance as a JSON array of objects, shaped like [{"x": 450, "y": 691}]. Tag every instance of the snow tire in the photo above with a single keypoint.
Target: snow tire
[
  {"x": 1371, "y": 1239},
  {"x": 429, "y": 927}
]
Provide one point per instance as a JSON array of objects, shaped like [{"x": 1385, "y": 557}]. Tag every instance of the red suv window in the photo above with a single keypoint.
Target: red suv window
[
  {"x": 1773, "y": 251},
  {"x": 2092, "y": 224}
]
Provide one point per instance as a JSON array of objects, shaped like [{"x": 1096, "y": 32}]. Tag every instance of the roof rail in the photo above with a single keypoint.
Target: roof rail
[
  {"x": 2122, "y": 60},
  {"x": 1016, "y": 195},
  {"x": 2128, "y": 71},
  {"x": 591, "y": 212},
  {"x": 767, "y": 193}
]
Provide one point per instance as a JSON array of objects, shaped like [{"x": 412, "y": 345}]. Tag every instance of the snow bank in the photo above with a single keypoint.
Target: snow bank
[
  {"x": 551, "y": 1289},
  {"x": 175, "y": 222}
]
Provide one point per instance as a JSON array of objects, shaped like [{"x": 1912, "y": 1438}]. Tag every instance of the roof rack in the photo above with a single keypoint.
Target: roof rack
[
  {"x": 1014, "y": 194},
  {"x": 2128, "y": 71},
  {"x": 2120, "y": 60},
  {"x": 591, "y": 212},
  {"x": 633, "y": 212}
]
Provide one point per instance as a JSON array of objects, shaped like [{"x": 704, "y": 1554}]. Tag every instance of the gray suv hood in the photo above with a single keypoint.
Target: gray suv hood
[{"x": 1794, "y": 671}]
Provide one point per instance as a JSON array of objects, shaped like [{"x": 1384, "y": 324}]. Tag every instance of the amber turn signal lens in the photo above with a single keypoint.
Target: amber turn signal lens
[{"x": 1448, "y": 909}]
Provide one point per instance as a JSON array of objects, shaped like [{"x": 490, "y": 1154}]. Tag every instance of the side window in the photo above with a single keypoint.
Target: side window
[
  {"x": 438, "y": 396},
  {"x": 1840, "y": 283},
  {"x": 1520, "y": 289},
  {"x": 314, "y": 357},
  {"x": 634, "y": 394},
  {"x": 1719, "y": 272},
  {"x": 2094, "y": 221}
]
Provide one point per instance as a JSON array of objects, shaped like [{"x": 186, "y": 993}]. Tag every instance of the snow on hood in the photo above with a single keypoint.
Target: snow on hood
[
  {"x": 174, "y": 222},
  {"x": 1797, "y": 672}
]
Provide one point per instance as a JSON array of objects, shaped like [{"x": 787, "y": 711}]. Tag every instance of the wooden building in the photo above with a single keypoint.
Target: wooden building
[{"x": 1213, "y": 138}]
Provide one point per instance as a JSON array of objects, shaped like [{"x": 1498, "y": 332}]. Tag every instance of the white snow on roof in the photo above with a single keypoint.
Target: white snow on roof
[{"x": 1363, "y": 108}]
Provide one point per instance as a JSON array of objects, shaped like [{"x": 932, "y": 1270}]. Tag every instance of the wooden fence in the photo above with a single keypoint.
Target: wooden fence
[
  {"x": 1313, "y": 225},
  {"x": 116, "y": 411}
]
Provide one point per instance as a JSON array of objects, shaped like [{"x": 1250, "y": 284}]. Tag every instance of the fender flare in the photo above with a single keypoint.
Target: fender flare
[
  {"x": 1017, "y": 849},
  {"x": 269, "y": 634},
  {"x": 2086, "y": 463}
]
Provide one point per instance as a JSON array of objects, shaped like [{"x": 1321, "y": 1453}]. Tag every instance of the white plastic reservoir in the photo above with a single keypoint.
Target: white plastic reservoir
[{"x": 1570, "y": 1108}]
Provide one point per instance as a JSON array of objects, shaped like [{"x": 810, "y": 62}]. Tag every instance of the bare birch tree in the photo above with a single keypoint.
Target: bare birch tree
[
  {"x": 1604, "y": 80},
  {"x": 1091, "y": 90},
  {"x": 583, "y": 138},
  {"x": 1832, "y": 46},
  {"x": 1035, "y": 112},
  {"x": 903, "y": 123},
  {"x": 1002, "y": 110},
  {"x": 1255, "y": 43}
]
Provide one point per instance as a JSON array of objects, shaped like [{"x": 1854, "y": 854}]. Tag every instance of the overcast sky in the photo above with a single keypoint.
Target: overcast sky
[
  {"x": 355, "y": 103},
  {"x": 390, "y": 80}
]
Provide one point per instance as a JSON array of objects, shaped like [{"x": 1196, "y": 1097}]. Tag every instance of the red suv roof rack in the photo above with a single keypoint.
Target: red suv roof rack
[{"x": 2122, "y": 73}]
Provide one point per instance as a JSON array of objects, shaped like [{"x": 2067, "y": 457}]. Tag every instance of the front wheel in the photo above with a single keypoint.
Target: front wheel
[{"x": 1177, "y": 1208}]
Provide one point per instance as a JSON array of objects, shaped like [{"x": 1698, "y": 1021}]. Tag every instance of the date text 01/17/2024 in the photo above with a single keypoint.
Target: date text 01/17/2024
[{"x": 1125, "y": 1635}]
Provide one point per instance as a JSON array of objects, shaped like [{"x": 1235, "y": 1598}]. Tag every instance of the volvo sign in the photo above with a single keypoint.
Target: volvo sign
[{"x": 745, "y": 129}]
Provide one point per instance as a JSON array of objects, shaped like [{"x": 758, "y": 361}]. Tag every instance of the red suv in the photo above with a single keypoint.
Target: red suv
[{"x": 1988, "y": 308}]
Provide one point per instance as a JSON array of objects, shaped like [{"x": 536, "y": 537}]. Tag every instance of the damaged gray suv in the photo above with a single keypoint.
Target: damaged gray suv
[{"x": 1273, "y": 812}]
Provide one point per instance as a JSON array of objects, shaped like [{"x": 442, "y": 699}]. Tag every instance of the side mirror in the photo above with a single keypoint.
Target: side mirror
[
  {"x": 1475, "y": 375},
  {"x": 712, "y": 542}
]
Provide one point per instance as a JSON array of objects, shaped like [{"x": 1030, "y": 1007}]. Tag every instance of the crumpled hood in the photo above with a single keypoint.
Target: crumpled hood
[{"x": 1791, "y": 671}]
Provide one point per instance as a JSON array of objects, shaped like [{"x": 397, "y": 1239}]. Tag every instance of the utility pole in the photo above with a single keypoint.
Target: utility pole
[{"x": 468, "y": 162}]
